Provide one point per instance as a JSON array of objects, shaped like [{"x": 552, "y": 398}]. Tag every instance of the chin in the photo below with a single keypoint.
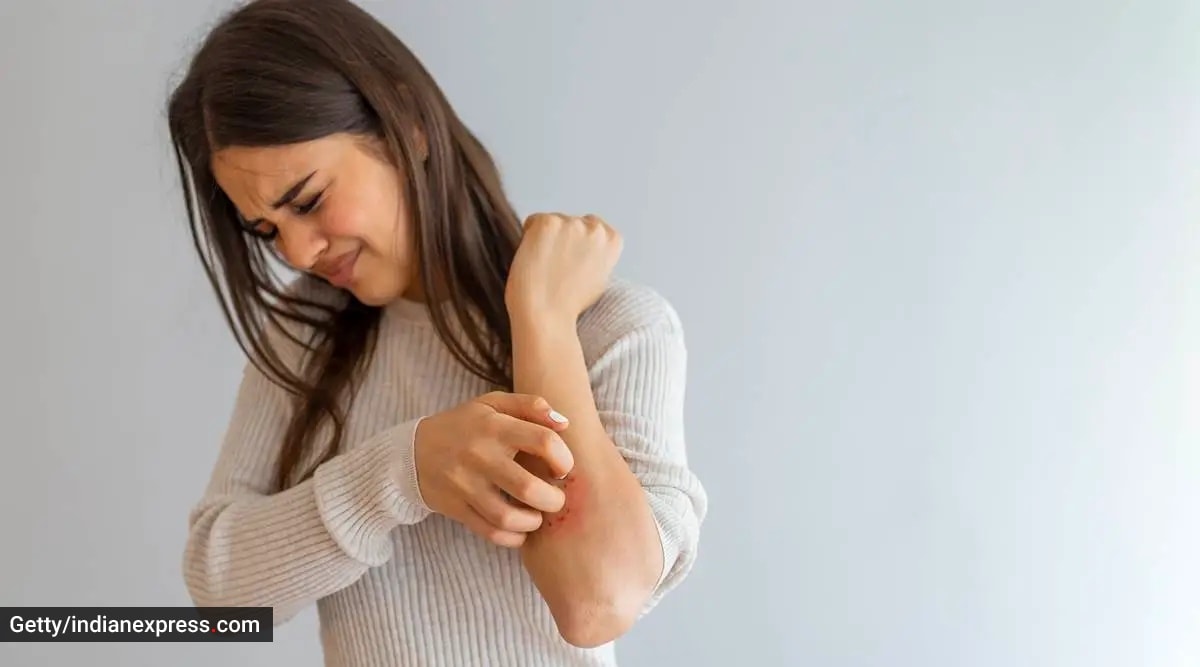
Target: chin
[
  {"x": 373, "y": 294},
  {"x": 370, "y": 298}
]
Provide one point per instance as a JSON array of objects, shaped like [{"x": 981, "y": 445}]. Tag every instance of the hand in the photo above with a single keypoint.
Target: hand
[
  {"x": 466, "y": 463},
  {"x": 562, "y": 265}
]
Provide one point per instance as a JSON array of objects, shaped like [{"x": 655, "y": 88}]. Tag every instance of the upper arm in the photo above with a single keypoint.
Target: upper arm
[
  {"x": 249, "y": 454},
  {"x": 251, "y": 449}
]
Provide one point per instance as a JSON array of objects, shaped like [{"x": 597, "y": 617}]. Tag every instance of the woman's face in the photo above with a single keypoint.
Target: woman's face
[{"x": 332, "y": 207}]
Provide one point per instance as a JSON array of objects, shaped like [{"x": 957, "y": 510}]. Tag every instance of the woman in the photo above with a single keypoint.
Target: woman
[{"x": 456, "y": 435}]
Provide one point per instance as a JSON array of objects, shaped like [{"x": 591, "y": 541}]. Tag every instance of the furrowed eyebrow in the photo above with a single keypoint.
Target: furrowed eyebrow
[{"x": 287, "y": 197}]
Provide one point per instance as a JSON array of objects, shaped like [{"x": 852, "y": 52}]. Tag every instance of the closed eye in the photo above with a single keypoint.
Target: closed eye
[
  {"x": 310, "y": 205},
  {"x": 262, "y": 229}
]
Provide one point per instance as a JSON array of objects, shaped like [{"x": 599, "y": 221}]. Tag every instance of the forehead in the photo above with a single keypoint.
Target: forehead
[{"x": 255, "y": 176}]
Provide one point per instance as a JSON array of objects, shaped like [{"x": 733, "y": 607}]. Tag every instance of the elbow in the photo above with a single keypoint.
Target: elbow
[
  {"x": 203, "y": 586},
  {"x": 592, "y": 624},
  {"x": 206, "y": 589},
  {"x": 200, "y": 558},
  {"x": 592, "y": 628},
  {"x": 205, "y": 572}
]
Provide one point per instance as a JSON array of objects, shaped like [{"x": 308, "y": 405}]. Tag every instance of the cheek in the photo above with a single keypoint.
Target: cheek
[
  {"x": 343, "y": 221},
  {"x": 365, "y": 219}
]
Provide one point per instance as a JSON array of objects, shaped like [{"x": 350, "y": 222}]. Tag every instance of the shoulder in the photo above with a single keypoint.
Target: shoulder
[{"x": 629, "y": 310}]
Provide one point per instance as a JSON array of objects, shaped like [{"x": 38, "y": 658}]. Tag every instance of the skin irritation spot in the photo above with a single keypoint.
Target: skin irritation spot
[{"x": 572, "y": 487}]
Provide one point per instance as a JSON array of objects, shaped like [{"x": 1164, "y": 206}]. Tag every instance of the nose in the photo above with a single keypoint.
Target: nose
[{"x": 300, "y": 245}]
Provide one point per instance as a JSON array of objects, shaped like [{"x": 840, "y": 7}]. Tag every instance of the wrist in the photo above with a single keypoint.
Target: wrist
[{"x": 528, "y": 316}]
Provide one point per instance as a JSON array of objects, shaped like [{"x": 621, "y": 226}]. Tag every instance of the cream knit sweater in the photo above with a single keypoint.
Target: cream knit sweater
[{"x": 394, "y": 583}]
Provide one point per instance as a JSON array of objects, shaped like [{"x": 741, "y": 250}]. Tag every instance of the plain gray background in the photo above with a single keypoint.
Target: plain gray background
[{"x": 939, "y": 263}]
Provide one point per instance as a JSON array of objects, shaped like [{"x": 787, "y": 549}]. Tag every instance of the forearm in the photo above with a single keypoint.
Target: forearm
[
  {"x": 597, "y": 560},
  {"x": 248, "y": 547},
  {"x": 240, "y": 553}
]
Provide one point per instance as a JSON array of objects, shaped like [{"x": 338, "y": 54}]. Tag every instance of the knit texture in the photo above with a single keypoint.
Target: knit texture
[{"x": 396, "y": 584}]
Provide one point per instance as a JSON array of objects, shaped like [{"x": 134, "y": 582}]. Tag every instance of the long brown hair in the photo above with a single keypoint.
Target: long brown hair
[{"x": 276, "y": 72}]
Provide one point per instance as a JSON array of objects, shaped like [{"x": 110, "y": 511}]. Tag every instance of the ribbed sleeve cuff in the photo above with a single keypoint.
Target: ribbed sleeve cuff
[
  {"x": 677, "y": 535},
  {"x": 364, "y": 493},
  {"x": 670, "y": 534}
]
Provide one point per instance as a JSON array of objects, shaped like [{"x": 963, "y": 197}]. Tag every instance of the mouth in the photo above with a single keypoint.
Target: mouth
[{"x": 340, "y": 270}]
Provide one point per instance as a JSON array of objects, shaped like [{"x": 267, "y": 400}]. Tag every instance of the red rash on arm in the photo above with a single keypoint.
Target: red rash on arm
[
  {"x": 596, "y": 561},
  {"x": 576, "y": 491}
]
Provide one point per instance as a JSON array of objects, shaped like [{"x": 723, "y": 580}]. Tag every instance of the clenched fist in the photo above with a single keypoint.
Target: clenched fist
[{"x": 562, "y": 265}]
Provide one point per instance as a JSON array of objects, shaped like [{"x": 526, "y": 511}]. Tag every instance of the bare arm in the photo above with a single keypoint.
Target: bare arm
[
  {"x": 611, "y": 357},
  {"x": 633, "y": 508}
]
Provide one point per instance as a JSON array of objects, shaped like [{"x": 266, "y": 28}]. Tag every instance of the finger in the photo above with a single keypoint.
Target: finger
[
  {"x": 541, "y": 443},
  {"x": 547, "y": 217},
  {"x": 528, "y": 407},
  {"x": 502, "y": 513},
  {"x": 526, "y": 487},
  {"x": 481, "y": 527},
  {"x": 595, "y": 222}
]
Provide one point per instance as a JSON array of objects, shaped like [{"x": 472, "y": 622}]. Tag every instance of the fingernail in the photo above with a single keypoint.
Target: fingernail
[{"x": 556, "y": 416}]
